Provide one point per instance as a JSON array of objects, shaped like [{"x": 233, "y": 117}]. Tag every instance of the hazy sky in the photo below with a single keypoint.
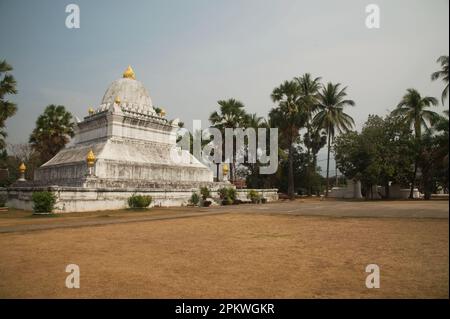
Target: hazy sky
[{"x": 191, "y": 53}]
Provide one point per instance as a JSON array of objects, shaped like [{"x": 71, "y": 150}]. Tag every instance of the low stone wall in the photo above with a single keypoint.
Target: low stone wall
[
  {"x": 395, "y": 192},
  {"x": 270, "y": 195},
  {"x": 79, "y": 199},
  {"x": 352, "y": 190}
]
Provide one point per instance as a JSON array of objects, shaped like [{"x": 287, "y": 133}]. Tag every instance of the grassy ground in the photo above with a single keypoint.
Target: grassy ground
[{"x": 248, "y": 253}]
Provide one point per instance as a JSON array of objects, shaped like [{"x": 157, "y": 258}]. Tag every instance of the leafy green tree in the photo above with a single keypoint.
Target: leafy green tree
[
  {"x": 442, "y": 74},
  {"x": 52, "y": 132},
  {"x": 413, "y": 110},
  {"x": 7, "y": 108},
  {"x": 331, "y": 116},
  {"x": 381, "y": 153},
  {"x": 433, "y": 157},
  {"x": 289, "y": 117},
  {"x": 231, "y": 115}
]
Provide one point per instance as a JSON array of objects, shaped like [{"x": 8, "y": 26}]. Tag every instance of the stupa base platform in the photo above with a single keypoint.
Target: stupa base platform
[{"x": 84, "y": 199}]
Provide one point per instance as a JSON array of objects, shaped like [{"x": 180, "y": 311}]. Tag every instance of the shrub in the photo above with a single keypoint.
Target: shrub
[
  {"x": 139, "y": 201},
  {"x": 43, "y": 202},
  {"x": 227, "y": 195},
  {"x": 232, "y": 194},
  {"x": 254, "y": 196},
  {"x": 207, "y": 203},
  {"x": 195, "y": 199},
  {"x": 222, "y": 192},
  {"x": 205, "y": 192}
]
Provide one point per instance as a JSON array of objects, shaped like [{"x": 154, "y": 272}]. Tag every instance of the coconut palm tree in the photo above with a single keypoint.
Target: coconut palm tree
[
  {"x": 309, "y": 90},
  {"x": 412, "y": 109},
  {"x": 331, "y": 117},
  {"x": 7, "y": 108},
  {"x": 52, "y": 131},
  {"x": 2, "y": 138},
  {"x": 442, "y": 74},
  {"x": 231, "y": 115},
  {"x": 289, "y": 117}
]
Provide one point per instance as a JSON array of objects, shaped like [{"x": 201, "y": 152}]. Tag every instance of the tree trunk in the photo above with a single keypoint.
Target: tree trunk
[
  {"x": 418, "y": 135},
  {"x": 336, "y": 174},
  {"x": 386, "y": 190},
  {"x": 411, "y": 192},
  {"x": 328, "y": 164},
  {"x": 314, "y": 165},
  {"x": 308, "y": 173},
  {"x": 291, "y": 172}
]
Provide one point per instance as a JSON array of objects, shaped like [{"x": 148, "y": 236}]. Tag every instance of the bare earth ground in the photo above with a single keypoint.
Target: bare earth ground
[{"x": 301, "y": 249}]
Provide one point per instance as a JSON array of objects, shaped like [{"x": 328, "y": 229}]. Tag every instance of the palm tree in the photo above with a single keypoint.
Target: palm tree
[
  {"x": 289, "y": 117},
  {"x": 442, "y": 73},
  {"x": 7, "y": 86},
  {"x": 254, "y": 121},
  {"x": 412, "y": 109},
  {"x": 232, "y": 115},
  {"x": 331, "y": 117},
  {"x": 2, "y": 138},
  {"x": 309, "y": 90},
  {"x": 52, "y": 131}
]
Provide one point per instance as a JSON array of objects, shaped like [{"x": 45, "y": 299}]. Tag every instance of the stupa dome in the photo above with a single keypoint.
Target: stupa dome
[{"x": 129, "y": 91}]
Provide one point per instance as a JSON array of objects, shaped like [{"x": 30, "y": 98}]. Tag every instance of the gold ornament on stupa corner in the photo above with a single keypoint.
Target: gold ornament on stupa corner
[
  {"x": 117, "y": 100},
  {"x": 225, "y": 169},
  {"x": 91, "y": 111},
  {"x": 162, "y": 113},
  {"x": 22, "y": 168},
  {"x": 90, "y": 158},
  {"x": 129, "y": 73}
]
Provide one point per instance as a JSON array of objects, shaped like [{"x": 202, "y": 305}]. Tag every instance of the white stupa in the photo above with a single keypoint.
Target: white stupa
[{"x": 130, "y": 144}]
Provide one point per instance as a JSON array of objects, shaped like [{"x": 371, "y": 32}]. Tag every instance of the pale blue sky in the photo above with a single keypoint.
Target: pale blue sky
[{"x": 191, "y": 53}]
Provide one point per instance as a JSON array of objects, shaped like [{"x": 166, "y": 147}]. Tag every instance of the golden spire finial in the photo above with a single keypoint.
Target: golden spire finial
[
  {"x": 90, "y": 158},
  {"x": 129, "y": 73},
  {"x": 225, "y": 169},
  {"x": 22, "y": 168}
]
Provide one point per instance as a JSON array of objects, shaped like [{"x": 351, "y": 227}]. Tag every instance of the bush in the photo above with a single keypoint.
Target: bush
[
  {"x": 232, "y": 194},
  {"x": 228, "y": 195},
  {"x": 254, "y": 196},
  {"x": 205, "y": 192},
  {"x": 43, "y": 202},
  {"x": 195, "y": 199},
  {"x": 222, "y": 192},
  {"x": 139, "y": 201},
  {"x": 207, "y": 203}
]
